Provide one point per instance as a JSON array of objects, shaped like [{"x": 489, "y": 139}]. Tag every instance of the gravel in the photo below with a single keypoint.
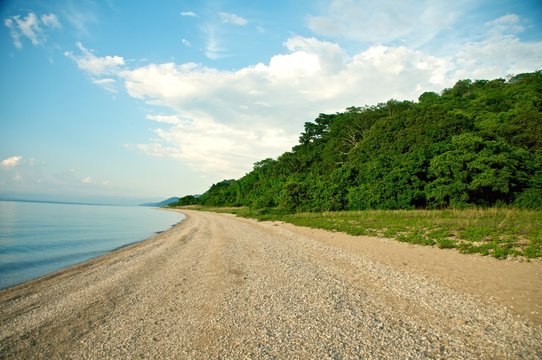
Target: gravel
[{"x": 220, "y": 287}]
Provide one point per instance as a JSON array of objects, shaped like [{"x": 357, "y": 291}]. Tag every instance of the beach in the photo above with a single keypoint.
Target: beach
[{"x": 218, "y": 286}]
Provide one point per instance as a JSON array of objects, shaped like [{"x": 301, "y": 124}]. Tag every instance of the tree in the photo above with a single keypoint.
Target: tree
[
  {"x": 476, "y": 171},
  {"x": 476, "y": 144}
]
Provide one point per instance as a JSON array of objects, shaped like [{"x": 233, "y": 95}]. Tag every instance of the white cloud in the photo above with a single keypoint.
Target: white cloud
[
  {"x": 505, "y": 20},
  {"x": 213, "y": 49},
  {"x": 101, "y": 69},
  {"x": 229, "y": 18},
  {"x": 30, "y": 27},
  {"x": 88, "y": 180},
  {"x": 238, "y": 117},
  {"x": 11, "y": 161},
  {"x": 189, "y": 14},
  {"x": 94, "y": 65},
  {"x": 215, "y": 148},
  {"x": 412, "y": 22},
  {"x": 331, "y": 57},
  {"x": 166, "y": 119},
  {"x": 509, "y": 23},
  {"x": 107, "y": 83},
  {"x": 34, "y": 175},
  {"x": 50, "y": 20},
  {"x": 313, "y": 76},
  {"x": 186, "y": 43},
  {"x": 15, "y": 35},
  {"x": 223, "y": 121},
  {"x": 497, "y": 57}
]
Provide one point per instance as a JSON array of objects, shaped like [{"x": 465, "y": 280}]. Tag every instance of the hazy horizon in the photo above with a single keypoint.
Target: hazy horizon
[{"x": 77, "y": 200}]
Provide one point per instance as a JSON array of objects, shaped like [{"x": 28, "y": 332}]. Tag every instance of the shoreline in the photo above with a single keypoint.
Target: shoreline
[
  {"x": 85, "y": 263},
  {"x": 389, "y": 251},
  {"x": 95, "y": 253},
  {"x": 217, "y": 285}
]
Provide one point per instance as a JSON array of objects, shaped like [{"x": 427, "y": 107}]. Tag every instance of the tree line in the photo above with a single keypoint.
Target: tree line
[{"x": 475, "y": 144}]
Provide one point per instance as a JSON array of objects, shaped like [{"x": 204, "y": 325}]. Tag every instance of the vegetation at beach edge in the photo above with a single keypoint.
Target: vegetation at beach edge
[
  {"x": 473, "y": 151},
  {"x": 497, "y": 232}
]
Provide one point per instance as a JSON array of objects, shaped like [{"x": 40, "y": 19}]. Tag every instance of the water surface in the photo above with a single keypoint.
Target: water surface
[{"x": 40, "y": 238}]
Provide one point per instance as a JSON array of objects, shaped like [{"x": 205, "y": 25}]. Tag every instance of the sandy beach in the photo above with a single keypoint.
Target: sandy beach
[{"x": 221, "y": 287}]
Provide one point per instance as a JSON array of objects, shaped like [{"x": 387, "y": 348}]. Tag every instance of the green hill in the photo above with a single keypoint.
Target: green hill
[
  {"x": 163, "y": 203},
  {"x": 475, "y": 144}
]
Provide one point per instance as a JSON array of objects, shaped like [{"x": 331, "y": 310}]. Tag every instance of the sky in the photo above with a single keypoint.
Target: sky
[{"x": 120, "y": 101}]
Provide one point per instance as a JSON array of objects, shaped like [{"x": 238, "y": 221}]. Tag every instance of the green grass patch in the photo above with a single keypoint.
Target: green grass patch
[
  {"x": 497, "y": 232},
  {"x": 478, "y": 233},
  {"x": 446, "y": 243},
  {"x": 416, "y": 238}
]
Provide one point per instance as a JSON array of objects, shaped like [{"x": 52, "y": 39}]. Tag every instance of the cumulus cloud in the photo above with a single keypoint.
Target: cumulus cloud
[
  {"x": 102, "y": 69},
  {"x": 186, "y": 43},
  {"x": 87, "y": 180},
  {"x": 238, "y": 117},
  {"x": 95, "y": 65},
  {"x": 223, "y": 121},
  {"x": 214, "y": 148},
  {"x": 313, "y": 74},
  {"x": 32, "y": 27},
  {"x": 331, "y": 57},
  {"x": 498, "y": 56},
  {"x": 11, "y": 161}
]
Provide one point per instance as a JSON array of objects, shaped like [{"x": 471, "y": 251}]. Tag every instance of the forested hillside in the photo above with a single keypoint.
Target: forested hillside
[{"x": 476, "y": 144}]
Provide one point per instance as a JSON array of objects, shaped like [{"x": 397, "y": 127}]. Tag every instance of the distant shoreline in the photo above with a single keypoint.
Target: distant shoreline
[
  {"x": 59, "y": 202},
  {"x": 120, "y": 202}
]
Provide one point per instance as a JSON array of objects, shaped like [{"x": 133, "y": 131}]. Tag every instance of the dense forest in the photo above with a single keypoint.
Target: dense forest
[{"x": 475, "y": 144}]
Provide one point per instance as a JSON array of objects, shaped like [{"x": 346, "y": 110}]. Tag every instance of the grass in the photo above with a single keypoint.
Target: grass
[{"x": 497, "y": 232}]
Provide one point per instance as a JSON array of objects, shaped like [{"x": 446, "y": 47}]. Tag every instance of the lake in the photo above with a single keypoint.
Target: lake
[{"x": 40, "y": 238}]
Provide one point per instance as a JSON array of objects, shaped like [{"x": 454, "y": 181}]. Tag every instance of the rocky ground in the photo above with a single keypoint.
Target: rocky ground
[{"x": 221, "y": 287}]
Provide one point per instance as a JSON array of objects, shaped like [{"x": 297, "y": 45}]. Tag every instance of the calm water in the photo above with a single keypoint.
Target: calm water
[{"x": 40, "y": 238}]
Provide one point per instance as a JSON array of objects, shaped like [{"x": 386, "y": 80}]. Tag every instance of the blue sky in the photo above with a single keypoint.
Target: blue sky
[{"x": 119, "y": 101}]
